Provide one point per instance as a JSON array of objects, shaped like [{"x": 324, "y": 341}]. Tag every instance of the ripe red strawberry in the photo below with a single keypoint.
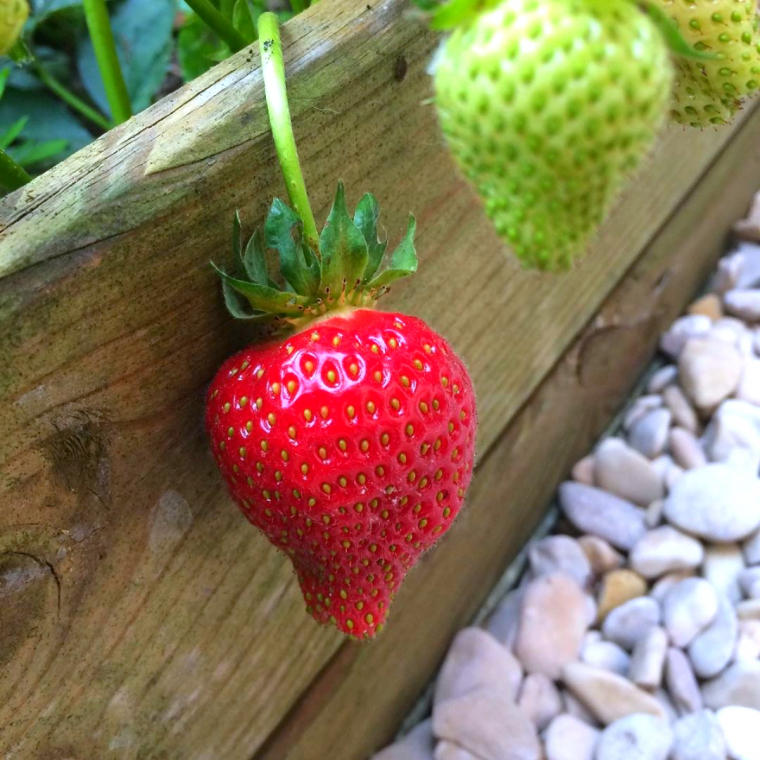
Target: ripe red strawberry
[{"x": 349, "y": 443}]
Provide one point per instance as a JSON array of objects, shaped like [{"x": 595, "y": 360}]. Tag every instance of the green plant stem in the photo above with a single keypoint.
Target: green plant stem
[
  {"x": 298, "y": 5},
  {"x": 12, "y": 176},
  {"x": 218, "y": 24},
  {"x": 282, "y": 128},
  {"x": 72, "y": 100},
  {"x": 99, "y": 24}
]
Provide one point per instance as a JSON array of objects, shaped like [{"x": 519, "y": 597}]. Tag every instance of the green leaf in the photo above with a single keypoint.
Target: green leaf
[
  {"x": 198, "y": 48},
  {"x": 243, "y": 20},
  {"x": 49, "y": 119},
  {"x": 30, "y": 153},
  {"x": 284, "y": 232},
  {"x": 675, "y": 40},
  {"x": 365, "y": 218},
  {"x": 12, "y": 132},
  {"x": 255, "y": 260},
  {"x": 403, "y": 260},
  {"x": 4, "y": 74},
  {"x": 44, "y": 8},
  {"x": 264, "y": 298},
  {"x": 343, "y": 248},
  {"x": 143, "y": 33},
  {"x": 454, "y": 13}
]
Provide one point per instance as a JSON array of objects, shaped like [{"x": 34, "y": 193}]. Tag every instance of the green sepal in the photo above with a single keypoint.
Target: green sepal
[
  {"x": 239, "y": 308},
  {"x": 284, "y": 232},
  {"x": 265, "y": 298},
  {"x": 403, "y": 261},
  {"x": 20, "y": 53},
  {"x": 255, "y": 261},
  {"x": 673, "y": 37},
  {"x": 237, "y": 242},
  {"x": 365, "y": 218},
  {"x": 243, "y": 21},
  {"x": 343, "y": 248}
]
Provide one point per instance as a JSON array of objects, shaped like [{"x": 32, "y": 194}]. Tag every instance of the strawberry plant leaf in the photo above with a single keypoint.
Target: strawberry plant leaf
[
  {"x": 29, "y": 153},
  {"x": 403, "y": 260},
  {"x": 243, "y": 21},
  {"x": 453, "y": 13},
  {"x": 143, "y": 33},
  {"x": 284, "y": 232},
  {"x": 675, "y": 40},
  {"x": 198, "y": 48},
  {"x": 4, "y": 74},
  {"x": 343, "y": 248},
  {"x": 12, "y": 132},
  {"x": 365, "y": 218},
  {"x": 264, "y": 298}
]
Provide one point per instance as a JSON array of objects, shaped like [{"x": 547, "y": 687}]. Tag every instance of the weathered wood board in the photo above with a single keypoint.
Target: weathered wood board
[{"x": 141, "y": 616}]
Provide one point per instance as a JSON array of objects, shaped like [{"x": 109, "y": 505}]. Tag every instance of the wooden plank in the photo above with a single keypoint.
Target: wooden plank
[
  {"x": 364, "y": 693},
  {"x": 140, "y": 612}
]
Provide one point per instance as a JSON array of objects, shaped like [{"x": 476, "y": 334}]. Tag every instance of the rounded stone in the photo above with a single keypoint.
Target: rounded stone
[
  {"x": 681, "y": 682},
  {"x": 688, "y": 608},
  {"x": 686, "y": 450},
  {"x": 664, "y": 550},
  {"x": 648, "y": 659},
  {"x": 716, "y": 502},
  {"x": 619, "y": 587},
  {"x": 552, "y": 624},
  {"x": 560, "y": 554},
  {"x": 709, "y": 371},
  {"x": 601, "y": 556},
  {"x": 649, "y": 434},
  {"x": 601, "y": 514},
  {"x": 540, "y": 699},
  {"x": 636, "y": 737},
  {"x": 711, "y": 650},
  {"x": 568, "y": 738},
  {"x": 623, "y": 471},
  {"x": 629, "y": 622},
  {"x": 698, "y": 737},
  {"x": 476, "y": 662},
  {"x": 739, "y": 684},
  {"x": 741, "y": 730}
]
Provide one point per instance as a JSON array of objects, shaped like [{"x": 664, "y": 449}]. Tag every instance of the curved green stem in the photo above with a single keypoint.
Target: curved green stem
[
  {"x": 96, "y": 15},
  {"x": 282, "y": 128},
  {"x": 72, "y": 100},
  {"x": 218, "y": 24},
  {"x": 12, "y": 176}
]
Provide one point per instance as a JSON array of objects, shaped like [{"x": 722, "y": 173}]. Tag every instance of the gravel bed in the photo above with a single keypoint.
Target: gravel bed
[{"x": 634, "y": 632}]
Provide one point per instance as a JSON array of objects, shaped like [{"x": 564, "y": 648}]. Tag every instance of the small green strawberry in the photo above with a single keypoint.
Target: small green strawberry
[
  {"x": 548, "y": 106},
  {"x": 13, "y": 14},
  {"x": 709, "y": 92}
]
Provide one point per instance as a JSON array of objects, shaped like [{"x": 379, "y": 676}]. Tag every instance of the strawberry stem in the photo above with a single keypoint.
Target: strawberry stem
[{"x": 282, "y": 127}]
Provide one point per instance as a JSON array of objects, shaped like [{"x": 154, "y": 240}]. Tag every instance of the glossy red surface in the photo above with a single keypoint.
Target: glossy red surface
[{"x": 351, "y": 446}]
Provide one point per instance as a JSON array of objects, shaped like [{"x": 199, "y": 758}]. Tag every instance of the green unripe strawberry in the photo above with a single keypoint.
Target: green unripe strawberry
[
  {"x": 13, "y": 14},
  {"x": 710, "y": 91},
  {"x": 548, "y": 105}
]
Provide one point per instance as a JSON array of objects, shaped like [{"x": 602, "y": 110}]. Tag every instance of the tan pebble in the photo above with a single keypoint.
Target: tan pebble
[
  {"x": 583, "y": 471},
  {"x": 601, "y": 555},
  {"x": 618, "y": 587},
  {"x": 708, "y": 305}
]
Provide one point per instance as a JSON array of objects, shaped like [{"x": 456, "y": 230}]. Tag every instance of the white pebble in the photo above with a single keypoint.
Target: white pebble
[
  {"x": 749, "y": 582},
  {"x": 686, "y": 449},
  {"x": 709, "y": 371},
  {"x": 629, "y": 622},
  {"x": 560, "y": 554},
  {"x": 741, "y": 730},
  {"x": 682, "y": 411},
  {"x": 673, "y": 341},
  {"x": 636, "y": 737},
  {"x": 681, "y": 682},
  {"x": 743, "y": 303},
  {"x": 568, "y": 738},
  {"x": 649, "y": 434},
  {"x": 665, "y": 550},
  {"x": 688, "y": 608},
  {"x": 711, "y": 651},
  {"x": 606, "y": 655},
  {"x": 662, "y": 378},
  {"x": 751, "y": 549},
  {"x": 648, "y": 659},
  {"x": 715, "y": 502},
  {"x": 623, "y": 471},
  {"x": 722, "y": 566},
  {"x": 698, "y": 737},
  {"x": 748, "y": 641}
]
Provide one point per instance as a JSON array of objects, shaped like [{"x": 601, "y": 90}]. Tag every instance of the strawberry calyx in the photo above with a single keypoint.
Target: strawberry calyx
[
  {"x": 350, "y": 267},
  {"x": 343, "y": 266}
]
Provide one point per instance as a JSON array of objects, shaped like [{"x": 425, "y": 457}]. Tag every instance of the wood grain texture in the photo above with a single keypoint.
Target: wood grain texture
[
  {"x": 141, "y": 616},
  {"x": 515, "y": 482}
]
